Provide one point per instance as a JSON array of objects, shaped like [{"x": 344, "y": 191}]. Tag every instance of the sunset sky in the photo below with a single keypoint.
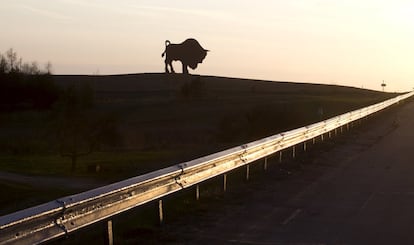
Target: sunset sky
[{"x": 353, "y": 42}]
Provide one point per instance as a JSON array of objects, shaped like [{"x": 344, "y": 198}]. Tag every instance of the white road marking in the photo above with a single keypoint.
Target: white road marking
[
  {"x": 367, "y": 201},
  {"x": 292, "y": 216}
]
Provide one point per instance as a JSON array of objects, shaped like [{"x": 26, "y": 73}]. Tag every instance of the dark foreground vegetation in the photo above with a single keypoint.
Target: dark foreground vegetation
[{"x": 108, "y": 128}]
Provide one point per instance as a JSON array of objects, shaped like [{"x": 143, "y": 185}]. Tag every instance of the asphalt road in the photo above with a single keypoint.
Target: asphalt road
[{"x": 361, "y": 191}]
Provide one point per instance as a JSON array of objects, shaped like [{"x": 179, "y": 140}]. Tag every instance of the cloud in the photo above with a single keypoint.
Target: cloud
[{"x": 44, "y": 12}]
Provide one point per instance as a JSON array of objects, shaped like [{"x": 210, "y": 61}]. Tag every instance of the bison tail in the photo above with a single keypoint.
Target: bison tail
[{"x": 167, "y": 42}]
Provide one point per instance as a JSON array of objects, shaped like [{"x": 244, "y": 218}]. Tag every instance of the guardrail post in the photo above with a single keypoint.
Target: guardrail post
[
  {"x": 197, "y": 192},
  {"x": 322, "y": 137},
  {"x": 108, "y": 233},
  {"x": 304, "y": 146},
  {"x": 329, "y": 134},
  {"x": 160, "y": 212},
  {"x": 265, "y": 164},
  {"x": 293, "y": 151},
  {"x": 224, "y": 182},
  {"x": 313, "y": 140},
  {"x": 247, "y": 171},
  {"x": 280, "y": 156}
]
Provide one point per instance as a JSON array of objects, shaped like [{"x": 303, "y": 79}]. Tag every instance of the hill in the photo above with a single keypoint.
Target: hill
[
  {"x": 163, "y": 119},
  {"x": 164, "y": 110}
]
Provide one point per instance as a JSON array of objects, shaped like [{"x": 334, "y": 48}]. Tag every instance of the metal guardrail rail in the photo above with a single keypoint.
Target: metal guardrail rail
[{"x": 65, "y": 215}]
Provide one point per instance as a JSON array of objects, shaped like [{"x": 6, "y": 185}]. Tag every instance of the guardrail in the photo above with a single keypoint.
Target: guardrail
[{"x": 65, "y": 215}]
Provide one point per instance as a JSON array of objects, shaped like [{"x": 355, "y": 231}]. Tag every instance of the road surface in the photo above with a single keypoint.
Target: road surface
[{"x": 359, "y": 192}]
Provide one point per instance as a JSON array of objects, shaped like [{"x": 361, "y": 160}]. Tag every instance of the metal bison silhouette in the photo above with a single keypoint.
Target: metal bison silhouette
[{"x": 189, "y": 52}]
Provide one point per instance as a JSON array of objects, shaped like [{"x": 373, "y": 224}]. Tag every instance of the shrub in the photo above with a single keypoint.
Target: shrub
[{"x": 24, "y": 86}]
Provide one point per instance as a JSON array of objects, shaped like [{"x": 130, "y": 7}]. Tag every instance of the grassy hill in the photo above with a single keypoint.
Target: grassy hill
[
  {"x": 171, "y": 110},
  {"x": 167, "y": 118},
  {"x": 163, "y": 119}
]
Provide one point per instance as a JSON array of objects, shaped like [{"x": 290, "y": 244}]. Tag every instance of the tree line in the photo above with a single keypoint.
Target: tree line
[{"x": 25, "y": 85}]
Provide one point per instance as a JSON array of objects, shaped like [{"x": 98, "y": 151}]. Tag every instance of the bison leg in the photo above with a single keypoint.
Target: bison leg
[
  {"x": 172, "y": 68},
  {"x": 168, "y": 63},
  {"x": 166, "y": 68},
  {"x": 185, "y": 68}
]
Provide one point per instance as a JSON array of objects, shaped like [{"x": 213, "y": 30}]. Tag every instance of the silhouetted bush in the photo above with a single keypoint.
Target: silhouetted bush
[{"x": 193, "y": 89}]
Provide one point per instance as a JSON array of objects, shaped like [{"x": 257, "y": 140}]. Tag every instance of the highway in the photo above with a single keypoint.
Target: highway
[{"x": 359, "y": 191}]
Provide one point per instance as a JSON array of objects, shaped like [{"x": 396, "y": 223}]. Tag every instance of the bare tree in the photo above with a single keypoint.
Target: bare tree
[
  {"x": 3, "y": 64},
  {"x": 11, "y": 57},
  {"x": 48, "y": 67},
  {"x": 82, "y": 131}
]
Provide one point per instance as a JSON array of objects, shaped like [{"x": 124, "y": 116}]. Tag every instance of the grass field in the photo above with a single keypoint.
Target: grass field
[{"x": 163, "y": 120}]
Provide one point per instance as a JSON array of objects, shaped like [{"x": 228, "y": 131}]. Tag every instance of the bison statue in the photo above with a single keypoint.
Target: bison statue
[{"x": 189, "y": 52}]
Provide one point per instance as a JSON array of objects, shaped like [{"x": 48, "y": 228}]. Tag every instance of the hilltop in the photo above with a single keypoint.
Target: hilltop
[{"x": 162, "y": 82}]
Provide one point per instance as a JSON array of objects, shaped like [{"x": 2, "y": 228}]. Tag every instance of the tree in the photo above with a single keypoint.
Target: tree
[
  {"x": 48, "y": 68},
  {"x": 82, "y": 131},
  {"x": 3, "y": 65},
  {"x": 11, "y": 57}
]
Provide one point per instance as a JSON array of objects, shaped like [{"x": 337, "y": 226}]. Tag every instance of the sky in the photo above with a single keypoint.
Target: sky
[{"x": 352, "y": 43}]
